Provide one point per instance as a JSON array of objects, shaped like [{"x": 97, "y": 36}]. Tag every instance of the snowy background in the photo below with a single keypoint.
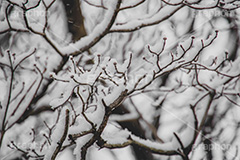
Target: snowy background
[{"x": 159, "y": 66}]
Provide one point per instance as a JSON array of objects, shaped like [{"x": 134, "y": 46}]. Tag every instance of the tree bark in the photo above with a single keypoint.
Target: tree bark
[{"x": 75, "y": 19}]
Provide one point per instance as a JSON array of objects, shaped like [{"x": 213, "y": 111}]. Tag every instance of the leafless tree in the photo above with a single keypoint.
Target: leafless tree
[{"x": 89, "y": 78}]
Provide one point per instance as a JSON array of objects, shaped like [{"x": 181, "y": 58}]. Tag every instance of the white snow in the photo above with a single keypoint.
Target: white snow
[
  {"x": 125, "y": 117},
  {"x": 110, "y": 98},
  {"x": 116, "y": 137},
  {"x": 65, "y": 94}
]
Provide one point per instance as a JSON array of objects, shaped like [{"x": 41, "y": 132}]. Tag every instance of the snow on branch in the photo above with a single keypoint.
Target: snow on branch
[
  {"x": 206, "y": 4},
  {"x": 84, "y": 98},
  {"x": 97, "y": 34},
  {"x": 133, "y": 25},
  {"x": 107, "y": 84}
]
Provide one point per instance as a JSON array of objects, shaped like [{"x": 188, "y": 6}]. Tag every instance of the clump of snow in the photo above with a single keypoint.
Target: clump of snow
[
  {"x": 80, "y": 126},
  {"x": 87, "y": 77},
  {"x": 96, "y": 116},
  {"x": 116, "y": 137},
  {"x": 116, "y": 92},
  {"x": 124, "y": 117},
  {"x": 65, "y": 94}
]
